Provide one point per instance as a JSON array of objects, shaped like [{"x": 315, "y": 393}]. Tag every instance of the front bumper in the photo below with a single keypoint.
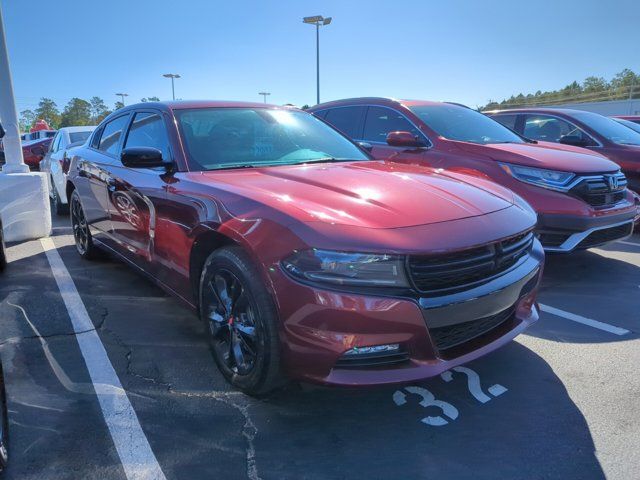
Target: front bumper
[
  {"x": 320, "y": 326},
  {"x": 566, "y": 233}
]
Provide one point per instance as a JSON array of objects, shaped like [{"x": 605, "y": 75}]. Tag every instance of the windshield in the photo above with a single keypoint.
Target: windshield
[
  {"x": 463, "y": 124},
  {"x": 609, "y": 129},
  {"x": 75, "y": 137},
  {"x": 218, "y": 138}
]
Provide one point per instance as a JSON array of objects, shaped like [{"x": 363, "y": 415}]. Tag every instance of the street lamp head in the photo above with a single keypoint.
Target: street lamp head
[
  {"x": 264, "y": 93},
  {"x": 122, "y": 94},
  {"x": 326, "y": 21},
  {"x": 314, "y": 19},
  {"x": 171, "y": 75}
]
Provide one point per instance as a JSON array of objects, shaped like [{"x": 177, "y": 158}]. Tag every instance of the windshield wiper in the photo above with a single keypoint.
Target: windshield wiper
[
  {"x": 323, "y": 160},
  {"x": 237, "y": 165}
]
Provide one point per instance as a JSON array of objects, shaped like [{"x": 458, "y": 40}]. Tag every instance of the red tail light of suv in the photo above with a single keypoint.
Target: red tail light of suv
[
  {"x": 581, "y": 198},
  {"x": 303, "y": 256}
]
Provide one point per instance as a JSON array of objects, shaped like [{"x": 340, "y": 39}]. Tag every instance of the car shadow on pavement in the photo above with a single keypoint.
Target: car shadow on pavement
[
  {"x": 532, "y": 430},
  {"x": 595, "y": 284}
]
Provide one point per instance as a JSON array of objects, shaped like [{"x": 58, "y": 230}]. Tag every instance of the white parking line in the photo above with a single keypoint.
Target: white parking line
[
  {"x": 138, "y": 460},
  {"x": 584, "y": 320}
]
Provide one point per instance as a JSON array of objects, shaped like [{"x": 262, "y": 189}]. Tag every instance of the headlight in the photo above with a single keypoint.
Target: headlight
[
  {"x": 538, "y": 176},
  {"x": 351, "y": 269}
]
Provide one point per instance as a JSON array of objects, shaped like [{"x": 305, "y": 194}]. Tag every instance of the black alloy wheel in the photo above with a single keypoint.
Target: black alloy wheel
[
  {"x": 81, "y": 232},
  {"x": 240, "y": 321},
  {"x": 232, "y": 323}
]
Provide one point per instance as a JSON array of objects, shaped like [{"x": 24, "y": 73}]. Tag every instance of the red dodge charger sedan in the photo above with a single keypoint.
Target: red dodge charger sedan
[
  {"x": 581, "y": 198},
  {"x": 303, "y": 256}
]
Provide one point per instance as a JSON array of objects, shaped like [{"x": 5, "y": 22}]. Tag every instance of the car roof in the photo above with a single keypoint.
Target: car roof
[
  {"x": 368, "y": 100},
  {"x": 564, "y": 111},
  {"x": 187, "y": 104},
  {"x": 84, "y": 128}
]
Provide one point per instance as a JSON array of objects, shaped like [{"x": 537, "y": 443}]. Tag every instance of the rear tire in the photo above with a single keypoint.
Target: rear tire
[
  {"x": 58, "y": 207},
  {"x": 81, "y": 233},
  {"x": 240, "y": 321}
]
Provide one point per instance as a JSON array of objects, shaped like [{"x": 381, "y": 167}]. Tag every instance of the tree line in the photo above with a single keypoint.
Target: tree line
[
  {"x": 624, "y": 85},
  {"x": 76, "y": 112}
]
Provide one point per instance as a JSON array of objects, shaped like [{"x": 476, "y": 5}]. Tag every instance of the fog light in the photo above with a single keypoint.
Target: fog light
[{"x": 391, "y": 348}]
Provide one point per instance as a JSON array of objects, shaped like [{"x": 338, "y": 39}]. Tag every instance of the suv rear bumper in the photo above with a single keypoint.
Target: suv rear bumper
[{"x": 565, "y": 233}]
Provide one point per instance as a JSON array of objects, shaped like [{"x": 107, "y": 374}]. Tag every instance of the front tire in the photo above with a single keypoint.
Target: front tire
[
  {"x": 240, "y": 321},
  {"x": 81, "y": 233}
]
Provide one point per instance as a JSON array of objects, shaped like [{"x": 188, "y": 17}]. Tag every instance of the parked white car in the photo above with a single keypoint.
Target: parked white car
[{"x": 56, "y": 163}]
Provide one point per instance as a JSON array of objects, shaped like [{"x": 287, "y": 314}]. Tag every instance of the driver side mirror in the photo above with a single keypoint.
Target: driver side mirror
[
  {"x": 1, "y": 131},
  {"x": 403, "y": 139},
  {"x": 143, "y": 157},
  {"x": 574, "y": 140}
]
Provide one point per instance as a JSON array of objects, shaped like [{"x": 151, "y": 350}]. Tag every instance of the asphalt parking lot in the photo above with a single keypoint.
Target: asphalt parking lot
[{"x": 559, "y": 402}]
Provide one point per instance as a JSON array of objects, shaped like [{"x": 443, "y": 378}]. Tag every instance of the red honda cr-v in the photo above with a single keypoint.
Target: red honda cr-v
[
  {"x": 302, "y": 254},
  {"x": 581, "y": 198},
  {"x": 588, "y": 130}
]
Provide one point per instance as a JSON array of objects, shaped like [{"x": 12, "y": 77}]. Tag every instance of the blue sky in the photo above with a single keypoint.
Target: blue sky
[{"x": 467, "y": 51}]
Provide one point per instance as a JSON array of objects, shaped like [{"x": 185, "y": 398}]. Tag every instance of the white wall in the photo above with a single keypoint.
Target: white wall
[{"x": 614, "y": 107}]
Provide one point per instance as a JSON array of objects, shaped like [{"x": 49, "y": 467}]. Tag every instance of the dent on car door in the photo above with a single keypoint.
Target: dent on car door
[
  {"x": 94, "y": 168},
  {"x": 135, "y": 194}
]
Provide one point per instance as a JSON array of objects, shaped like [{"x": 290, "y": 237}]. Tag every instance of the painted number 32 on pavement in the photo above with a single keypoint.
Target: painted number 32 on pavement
[{"x": 448, "y": 411}]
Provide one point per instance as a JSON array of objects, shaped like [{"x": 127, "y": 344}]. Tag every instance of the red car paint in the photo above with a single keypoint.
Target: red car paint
[
  {"x": 627, "y": 156},
  {"x": 360, "y": 206},
  {"x": 631, "y": 118},
  {"x": 563, "y": 218},
  {"x": 32, "y": 151}
]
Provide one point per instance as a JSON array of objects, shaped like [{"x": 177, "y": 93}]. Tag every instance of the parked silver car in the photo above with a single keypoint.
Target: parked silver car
[{"x": 56, "y": 163}]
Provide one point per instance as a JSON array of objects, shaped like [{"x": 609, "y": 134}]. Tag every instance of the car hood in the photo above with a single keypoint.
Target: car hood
[
  {"x": 544, "y": 155},
  {"x": 372, "y": 194}
]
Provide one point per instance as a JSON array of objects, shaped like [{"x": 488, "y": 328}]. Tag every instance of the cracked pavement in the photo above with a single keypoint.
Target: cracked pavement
[{"x": 569, "y": 408}]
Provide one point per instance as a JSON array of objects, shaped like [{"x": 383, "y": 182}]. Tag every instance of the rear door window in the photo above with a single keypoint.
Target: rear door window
[
  {"x": 380, "y": 121},
  {"x": 508, "y": 121},
  {"x": 347, "y": 120}
]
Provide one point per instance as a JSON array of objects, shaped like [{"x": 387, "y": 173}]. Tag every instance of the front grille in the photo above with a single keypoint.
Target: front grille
[
  {"x": 453, "y": 335},
  {"x": 601, "y": 190},
  {"x": 372, "y": 360},
  {"x": 607, "y": 235},
  {"x": 444, "y": 274}
]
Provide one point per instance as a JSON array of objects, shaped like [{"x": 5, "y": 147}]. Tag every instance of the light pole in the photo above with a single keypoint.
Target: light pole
[
  {"x": 264, "y": 95},
  {"x": 317, "y": 20},
  {"x": 172, "y": 76},
  {"x": 122, "y": 95}
]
